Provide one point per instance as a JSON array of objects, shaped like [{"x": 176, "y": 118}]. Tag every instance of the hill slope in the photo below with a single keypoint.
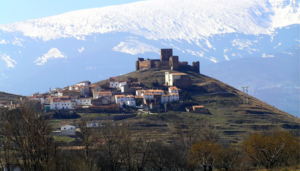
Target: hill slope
[
  {"x": 9, "y": 97},
  {"x": 228, "y": 113}
]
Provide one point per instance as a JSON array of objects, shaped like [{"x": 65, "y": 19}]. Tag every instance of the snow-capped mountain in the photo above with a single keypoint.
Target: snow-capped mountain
[{"x": 98, "y": 43}]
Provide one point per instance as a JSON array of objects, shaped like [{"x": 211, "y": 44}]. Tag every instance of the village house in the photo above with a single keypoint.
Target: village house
[
  {"x": 84, "y": 83},
  {"x": 84, "y": 90},
  {"x": 173, "y": 89},
  {"x": 123, "y": 82},
  {"x": 67, "y": 127},
  {"x": 113, "y": 83},
  {"x": 84, "y": 101},
  {"x": 178, "y": 80},
  {"x": 59, "y": 104},
  {"x": 103, "y": 93},
  {"x": 154, "y": 92},
  {"x": 68, "y": 93},
  {"x": 3, "y": 103},
  {"x": 150, "y": 96},
  {"x": 168, "y": 98},
  {"x": 127, "y": 99},
  {"x": 102, "y": 101},
  {"x": 95, "y": 88},
  {"x": 127, "y": 89}
]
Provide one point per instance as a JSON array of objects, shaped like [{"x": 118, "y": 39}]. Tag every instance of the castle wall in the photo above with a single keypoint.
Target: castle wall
[
  {"x": 144, "y": 64},
  {"x": 161, "y": 65},
  {"x": 174, "y": 63},
  {"x": 183, "y": 63},
  {"x": 137, "y": 65}
]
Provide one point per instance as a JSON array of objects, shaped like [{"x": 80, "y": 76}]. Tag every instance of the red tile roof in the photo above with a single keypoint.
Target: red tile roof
[{"x": 173, "y": 88}]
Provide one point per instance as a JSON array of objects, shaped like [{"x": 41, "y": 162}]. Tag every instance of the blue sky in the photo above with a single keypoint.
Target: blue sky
[{"x": 20, "y": 10}]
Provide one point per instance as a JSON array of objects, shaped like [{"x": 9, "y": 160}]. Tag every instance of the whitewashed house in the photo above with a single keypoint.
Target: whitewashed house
[
  {"x": 148, "y": 96},
  {"x": 103, "y": 93},
  {"x": 41, "y": 99},
  {"x": 84, "y": 83},
  {"x": 128, "y": 100},
  {"x": 173, "y": 89},
  {"x": 122, "y": 83},
  {"x": 84, "y": 90},
  {"x": 84, "y": 101},
  {"x": 154, "y": 92},
  {"x": 68, "y": 127},
  {"x": 59, "y": 104},
  {"x": 113, "y": 84},
  {"x": 169, "y": 98},
  {"x": 171, "y": 77}
]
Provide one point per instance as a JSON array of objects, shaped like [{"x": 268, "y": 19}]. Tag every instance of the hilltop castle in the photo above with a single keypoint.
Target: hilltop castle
[{"x": 167, "y": 61}]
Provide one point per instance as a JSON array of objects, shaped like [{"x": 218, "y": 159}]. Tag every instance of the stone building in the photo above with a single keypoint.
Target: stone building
[
  {"x": 178, "y": 79},
  {"x": 166, "y": 61}
]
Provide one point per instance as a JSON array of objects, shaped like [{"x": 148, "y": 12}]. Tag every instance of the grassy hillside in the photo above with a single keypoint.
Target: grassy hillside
[
  {"x": 229, "y": 116},
  {"x": 9, "y": 97}
]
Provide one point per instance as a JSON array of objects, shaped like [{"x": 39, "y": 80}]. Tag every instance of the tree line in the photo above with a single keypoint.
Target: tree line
[{"x": 27, "y": 143}]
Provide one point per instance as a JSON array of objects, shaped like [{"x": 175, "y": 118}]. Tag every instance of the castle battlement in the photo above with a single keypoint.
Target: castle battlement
[{"x": 166, "y": 61}]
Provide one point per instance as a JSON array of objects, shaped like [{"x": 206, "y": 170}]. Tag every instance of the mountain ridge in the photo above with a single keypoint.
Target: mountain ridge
[{"x": 246, "y": 16}]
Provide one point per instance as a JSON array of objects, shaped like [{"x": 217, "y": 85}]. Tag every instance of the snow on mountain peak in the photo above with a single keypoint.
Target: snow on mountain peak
[
  {"x": 51, "y": 54},
  {"x": 166, "y": 19}
]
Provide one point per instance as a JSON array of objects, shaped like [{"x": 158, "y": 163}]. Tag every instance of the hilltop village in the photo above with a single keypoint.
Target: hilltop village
[{"x": 116, "y": 94}]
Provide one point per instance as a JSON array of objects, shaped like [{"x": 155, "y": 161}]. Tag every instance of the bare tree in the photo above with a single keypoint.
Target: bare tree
[
  {"x": 27, "y": 137},
  {"x": 228, "y": 157},
  {"x": 88, "y": 137},
  {"x": 137, "y": 150},
  {"x": 272, "y": 149},
  {"x": 110, "y": 153}
]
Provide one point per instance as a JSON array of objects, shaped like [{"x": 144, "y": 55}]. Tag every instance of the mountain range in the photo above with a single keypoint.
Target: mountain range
[{"x": 242, "y": 43}]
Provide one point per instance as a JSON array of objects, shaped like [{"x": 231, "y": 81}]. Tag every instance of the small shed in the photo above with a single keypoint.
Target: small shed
[
  {"x": 68, "y": 127},
  {"x": 154, "y": 106},
  {"x": 198, "y": 108}
]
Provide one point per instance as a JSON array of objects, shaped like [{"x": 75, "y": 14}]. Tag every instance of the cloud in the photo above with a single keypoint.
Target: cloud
[
  {"x": 226, "y": 57},
  {"x": 5, "y": 76},
  {"x": 267, "y": 56},
  {"x": 277, "y": 45},
  {"x": 213, "y": 59},
  {"x": 195, "y": 53},
  {"x": 51, "y": 54},
  {"x": 17, "y": 41},
  {"x": 9, "y": 62},
  {"x": 3, "y": 41},
  {"x": 90, "y": 68},
  {"x": 81, "y": 49}
]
